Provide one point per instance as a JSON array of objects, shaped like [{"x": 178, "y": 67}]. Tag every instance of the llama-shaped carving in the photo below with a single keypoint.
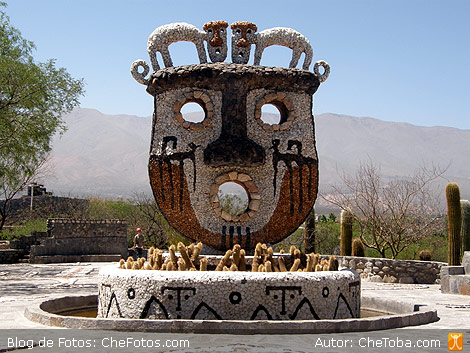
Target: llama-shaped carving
[
  {"x": 163, "y": 36},
  {"x": 286, "y": 37}
]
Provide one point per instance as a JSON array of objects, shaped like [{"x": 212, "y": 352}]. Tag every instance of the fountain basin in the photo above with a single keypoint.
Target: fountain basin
[
  {"x": 53, "y": 312},
  {"x": 195, "y": 295}
]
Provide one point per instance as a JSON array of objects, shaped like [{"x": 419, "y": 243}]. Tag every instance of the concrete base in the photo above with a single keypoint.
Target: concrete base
[
  {"x": 456, "y": 279},
  {"x": 74, "y": 258},
  {"x": 409, "y": 315}
]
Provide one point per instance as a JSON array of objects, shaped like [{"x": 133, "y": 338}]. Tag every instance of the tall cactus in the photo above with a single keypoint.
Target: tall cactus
[
  {"x": 465, "y": 232},
  {"x": 346, "y": 233},
  {"x": 309, "y": 233},
  {"x": 454, "y": 223}
]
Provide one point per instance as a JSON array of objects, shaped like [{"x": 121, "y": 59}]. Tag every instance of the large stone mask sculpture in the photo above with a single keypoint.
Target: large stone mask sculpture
[{"x": 276, "y": 164}]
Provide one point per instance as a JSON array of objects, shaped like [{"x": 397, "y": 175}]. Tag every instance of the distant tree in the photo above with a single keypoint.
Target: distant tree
[
  {"x": 393, "y": 214},
  {"x": 33, "y": 97},
  {"x": 232, "y": 204},
  {"x": 332, "y": 217},
  {"x": 147, "y": 216},
  {"x": 327, "y": 237},
  {"x": 322, "y": 219}
]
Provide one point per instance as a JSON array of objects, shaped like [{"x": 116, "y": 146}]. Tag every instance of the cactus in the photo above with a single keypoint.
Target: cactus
[
  {"x": 454, "y": 224},
  {"x": 184, "y": 254},
  {"x": 233, "y": 260},
  {"x": 224, "y": 261},
  {"x": 203, "y": 264},
  {"x": 465, "y": 232},
  {"x": 282, "y": 265},
  {"x": 309, "y": 267},
  {"x": 358, "y": 248},
  {"x": 333, "y": 264},
  {"x": 196, "y": 252},
  {"x": 295, "y": 265},
  {"x": 236, "y": 255},
  {"x": 309, "y": 232},
  {"x": 424, "y": 255},
  {"x": 346, "y": 233},
  {"x": 173, "y": 257}
]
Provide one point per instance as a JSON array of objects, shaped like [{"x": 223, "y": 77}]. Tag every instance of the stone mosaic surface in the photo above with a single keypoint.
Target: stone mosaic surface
[
  {"x": 280, "y": 160},
  {"x": 214, "y": 33},
  {"x": 286, "y": 37},
  {"x": 228, "y": 295},
  {"x": 189, "y": 161},
  {"x": 163, "y": 36}
]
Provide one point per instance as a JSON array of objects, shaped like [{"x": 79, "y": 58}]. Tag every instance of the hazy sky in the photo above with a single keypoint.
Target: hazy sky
[{"x": 393, "y": 60}]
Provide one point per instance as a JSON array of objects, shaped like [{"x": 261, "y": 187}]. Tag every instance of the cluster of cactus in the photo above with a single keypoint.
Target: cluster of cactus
[
  {"x": 358, "y": 248},
  {"x": 346, "y": 221},
  {"x": 454, "y": 224},
  {"x": 425, "y": 255},
  {"x": 233, "y": 260},
  {"x": 187, "y": 262}
]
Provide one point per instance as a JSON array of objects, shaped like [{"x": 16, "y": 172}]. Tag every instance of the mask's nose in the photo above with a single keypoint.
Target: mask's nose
[
  {"x": 234, "y": 151},
  {"x": 233, "y": 147}
]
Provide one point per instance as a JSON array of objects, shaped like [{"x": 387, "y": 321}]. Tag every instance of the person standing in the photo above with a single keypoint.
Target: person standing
[{"x": 139, "y": 242}]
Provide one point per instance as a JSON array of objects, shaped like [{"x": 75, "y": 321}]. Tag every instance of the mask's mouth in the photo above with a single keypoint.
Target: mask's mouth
[{"x": 234, "y": 197}]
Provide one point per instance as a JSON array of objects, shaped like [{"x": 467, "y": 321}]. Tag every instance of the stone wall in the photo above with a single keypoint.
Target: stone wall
[
  {"x": 86, "y": 228},
  {"x": 10, "y": 256},
  {"x": 143, "y": 294},
  {"x": 76, "y": 237},
  {"x": 25, "y": 242},
  {"x": 394, "y": 271}
]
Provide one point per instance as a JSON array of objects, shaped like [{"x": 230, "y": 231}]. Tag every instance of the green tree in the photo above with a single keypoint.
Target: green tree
[{"x": 33, "y": 97}]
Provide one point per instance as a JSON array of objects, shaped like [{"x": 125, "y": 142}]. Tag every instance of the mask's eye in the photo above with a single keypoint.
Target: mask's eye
[
  {"x": 238, "y": 31},
  {"x": 249, "y": 31},
  {"x": 194, "y": 110},
  {"x": 270, "y": 114},
  {"x": 221, "y": 30},
  {"x": 274, "y": 112},
  {"x": 209, "y": 31}
]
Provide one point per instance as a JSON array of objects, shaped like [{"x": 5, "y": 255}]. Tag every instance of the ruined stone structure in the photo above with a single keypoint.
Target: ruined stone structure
[
  {"x": 72, "y": 240},
  {"x": 276, "y": 164}
]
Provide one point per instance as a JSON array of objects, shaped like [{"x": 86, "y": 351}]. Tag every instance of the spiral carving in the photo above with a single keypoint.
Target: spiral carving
[
  {"x": 316, "y": 71},
  {"x": 140, "y": 76}
]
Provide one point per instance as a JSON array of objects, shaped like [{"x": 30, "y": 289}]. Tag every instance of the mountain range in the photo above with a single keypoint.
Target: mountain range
[{"x": 107, "y": 155}]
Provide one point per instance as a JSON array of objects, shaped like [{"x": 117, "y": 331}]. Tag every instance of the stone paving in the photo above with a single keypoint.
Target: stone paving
[{"x": 22, "y": 285}]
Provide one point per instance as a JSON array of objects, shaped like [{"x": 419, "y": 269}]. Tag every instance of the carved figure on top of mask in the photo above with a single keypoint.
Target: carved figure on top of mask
[
  {"x": 216, "y": 40},
  {"x": 243, "y": 36}
]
